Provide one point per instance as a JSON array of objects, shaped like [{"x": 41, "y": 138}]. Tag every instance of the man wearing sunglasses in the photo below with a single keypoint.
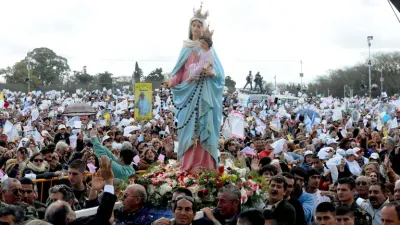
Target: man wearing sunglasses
[
  {"x": 133, "y": 210},
  {"x": 11, "y": 194},
  {"x": 362, "y": 186}
]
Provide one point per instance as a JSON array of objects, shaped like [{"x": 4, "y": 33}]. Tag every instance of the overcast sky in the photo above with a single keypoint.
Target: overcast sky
[{"x": 269, "y": 36}]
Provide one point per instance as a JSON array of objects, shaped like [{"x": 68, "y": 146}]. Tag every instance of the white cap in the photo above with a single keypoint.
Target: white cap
[
  {"x": 341, "y": 152},
  {"x": 323, "y": 155},
  {"x": 331, "y": 141},
  {"x": 308, "y": 152},
  {"x": 105, "y": 138},
  {"x": 374, "y": 156},
  {"x": 117, "y": 146},
  {"x": 351, "y": 152},
  {"x": 62, "y": 126}
]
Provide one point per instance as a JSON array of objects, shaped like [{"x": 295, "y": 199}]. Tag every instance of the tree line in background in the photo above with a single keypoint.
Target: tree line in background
[
  {"x": 51, "y": 71},
  {"x": 338, "y": 81}
]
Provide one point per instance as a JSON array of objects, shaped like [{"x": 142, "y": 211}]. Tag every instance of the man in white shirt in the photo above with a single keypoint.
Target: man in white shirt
[
  {"x": 353, "y": 165},
  {"x": 377, "y": 198}
]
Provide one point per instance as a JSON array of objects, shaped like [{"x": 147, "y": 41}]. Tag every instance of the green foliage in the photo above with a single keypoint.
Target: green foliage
[
  {"x": 354, "y": 76},
  {"x": 105, "y": 80},
  {"x": 155, "y": 75},
  {"x": 230, "y": 84},
  {"x": 138, "y": 73},
  {"x": 268, "y": 86},
  {"x": 48, "y": 66},
  {"x": 80, "y": 77},
  {"x": 18, "y": 74}
]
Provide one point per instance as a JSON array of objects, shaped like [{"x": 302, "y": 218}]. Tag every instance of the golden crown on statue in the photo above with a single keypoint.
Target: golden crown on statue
[
  {"x": 198, "y": 15},
  {"x": 207, "y": 33}
]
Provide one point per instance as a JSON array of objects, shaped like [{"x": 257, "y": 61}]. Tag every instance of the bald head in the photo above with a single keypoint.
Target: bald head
[
  {"x": 364, "y": 178},
  {"x": 138, "y": 190},
  {"x": 59, "y": 212}
]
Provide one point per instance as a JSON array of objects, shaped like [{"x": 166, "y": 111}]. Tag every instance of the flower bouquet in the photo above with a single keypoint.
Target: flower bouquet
[{"x": 161, "y": 180}]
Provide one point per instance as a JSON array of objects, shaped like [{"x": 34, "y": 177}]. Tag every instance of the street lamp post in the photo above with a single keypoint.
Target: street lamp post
[
  {"x": 369, "y": 39},
  {"x": 381, "y": 82},
  {"x": 301, "y": 73},
  {"x": 29, "y": 74}
]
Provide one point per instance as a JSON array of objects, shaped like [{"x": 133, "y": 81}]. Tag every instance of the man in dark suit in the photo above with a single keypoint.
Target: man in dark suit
[
  {"x": 283, "y": 211},
  {"x": 300, "y": 219}
]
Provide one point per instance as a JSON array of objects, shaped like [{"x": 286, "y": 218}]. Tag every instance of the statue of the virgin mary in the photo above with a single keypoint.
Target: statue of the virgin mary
[{"x": 198, "y": 105}]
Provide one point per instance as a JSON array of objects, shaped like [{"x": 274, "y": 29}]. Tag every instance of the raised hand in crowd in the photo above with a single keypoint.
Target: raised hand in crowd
[
  {"x": 106, "y": 170},
  {"x": 97, "y": 182}
]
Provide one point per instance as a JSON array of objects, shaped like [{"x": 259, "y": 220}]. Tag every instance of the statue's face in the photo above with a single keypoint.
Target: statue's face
[{"x": 196, "y": 28}]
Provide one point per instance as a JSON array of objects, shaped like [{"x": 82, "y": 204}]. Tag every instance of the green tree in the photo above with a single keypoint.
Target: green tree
[
  {"x": 138, "y": 73},
  {"x": 268, "y": 86},
  {"x": 81, "y": 77},
  {"x": 105, "y": 80},
  {"x": 155, "y": 75},
  {"x": 49, "y": 67},
  {"x": 18, "y": 74},
  {"x": 46, "y": 68},
  {"x": 353, "y": 77},
  {"x": 230, "y": 84}
]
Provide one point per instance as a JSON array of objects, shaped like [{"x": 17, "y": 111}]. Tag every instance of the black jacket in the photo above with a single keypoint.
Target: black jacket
[
  {"x": 217, "y": 215},
  {"x": 300, "y": 219},
  {"x": 285, "y": 214},
  {"x": 103, "y": 214},
  {"x": 65, "y": 138}
]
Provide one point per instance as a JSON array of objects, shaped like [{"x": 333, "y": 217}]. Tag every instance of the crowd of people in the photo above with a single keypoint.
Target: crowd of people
[{"x": 325, "y": 171}]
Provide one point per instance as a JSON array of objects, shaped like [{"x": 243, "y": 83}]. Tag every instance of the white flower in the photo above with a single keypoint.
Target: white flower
[
  {"x": 165, "y": 188},
  {"x": 242, "y": 172},
  {"x": 150, "y": 189},
  {"x": 244, "y": 195},
  {"x": 194, "y": 189},
  {"x": 186, "y": 180}
]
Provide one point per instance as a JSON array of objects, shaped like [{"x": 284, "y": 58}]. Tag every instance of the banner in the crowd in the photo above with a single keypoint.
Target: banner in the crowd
[
  {"x": 237, "y": 125},
  {"x": 143, "y": 101}
]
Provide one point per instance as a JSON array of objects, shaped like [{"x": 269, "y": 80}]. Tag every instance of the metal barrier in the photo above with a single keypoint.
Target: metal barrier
[
  {"x": 140, "y": 172},
  {"x": 43, "y": 181}
]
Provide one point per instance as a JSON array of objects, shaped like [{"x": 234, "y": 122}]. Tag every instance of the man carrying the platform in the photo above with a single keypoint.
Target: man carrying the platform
[{"x": 133, "y": 210}]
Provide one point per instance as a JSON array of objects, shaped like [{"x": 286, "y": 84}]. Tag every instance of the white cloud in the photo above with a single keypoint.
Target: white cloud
[{"x": 260, "y": 35}]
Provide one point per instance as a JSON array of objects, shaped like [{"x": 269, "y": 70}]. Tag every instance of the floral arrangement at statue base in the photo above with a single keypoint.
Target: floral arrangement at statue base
[{"x": 161, "y": 180}]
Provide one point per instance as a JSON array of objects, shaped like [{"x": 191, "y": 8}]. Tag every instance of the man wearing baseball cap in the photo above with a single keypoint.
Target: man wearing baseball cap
[
  {"x": 332, "y": 143},
  {"x": 353, "y": 165},
  {"x": 62, "y": 135}
]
